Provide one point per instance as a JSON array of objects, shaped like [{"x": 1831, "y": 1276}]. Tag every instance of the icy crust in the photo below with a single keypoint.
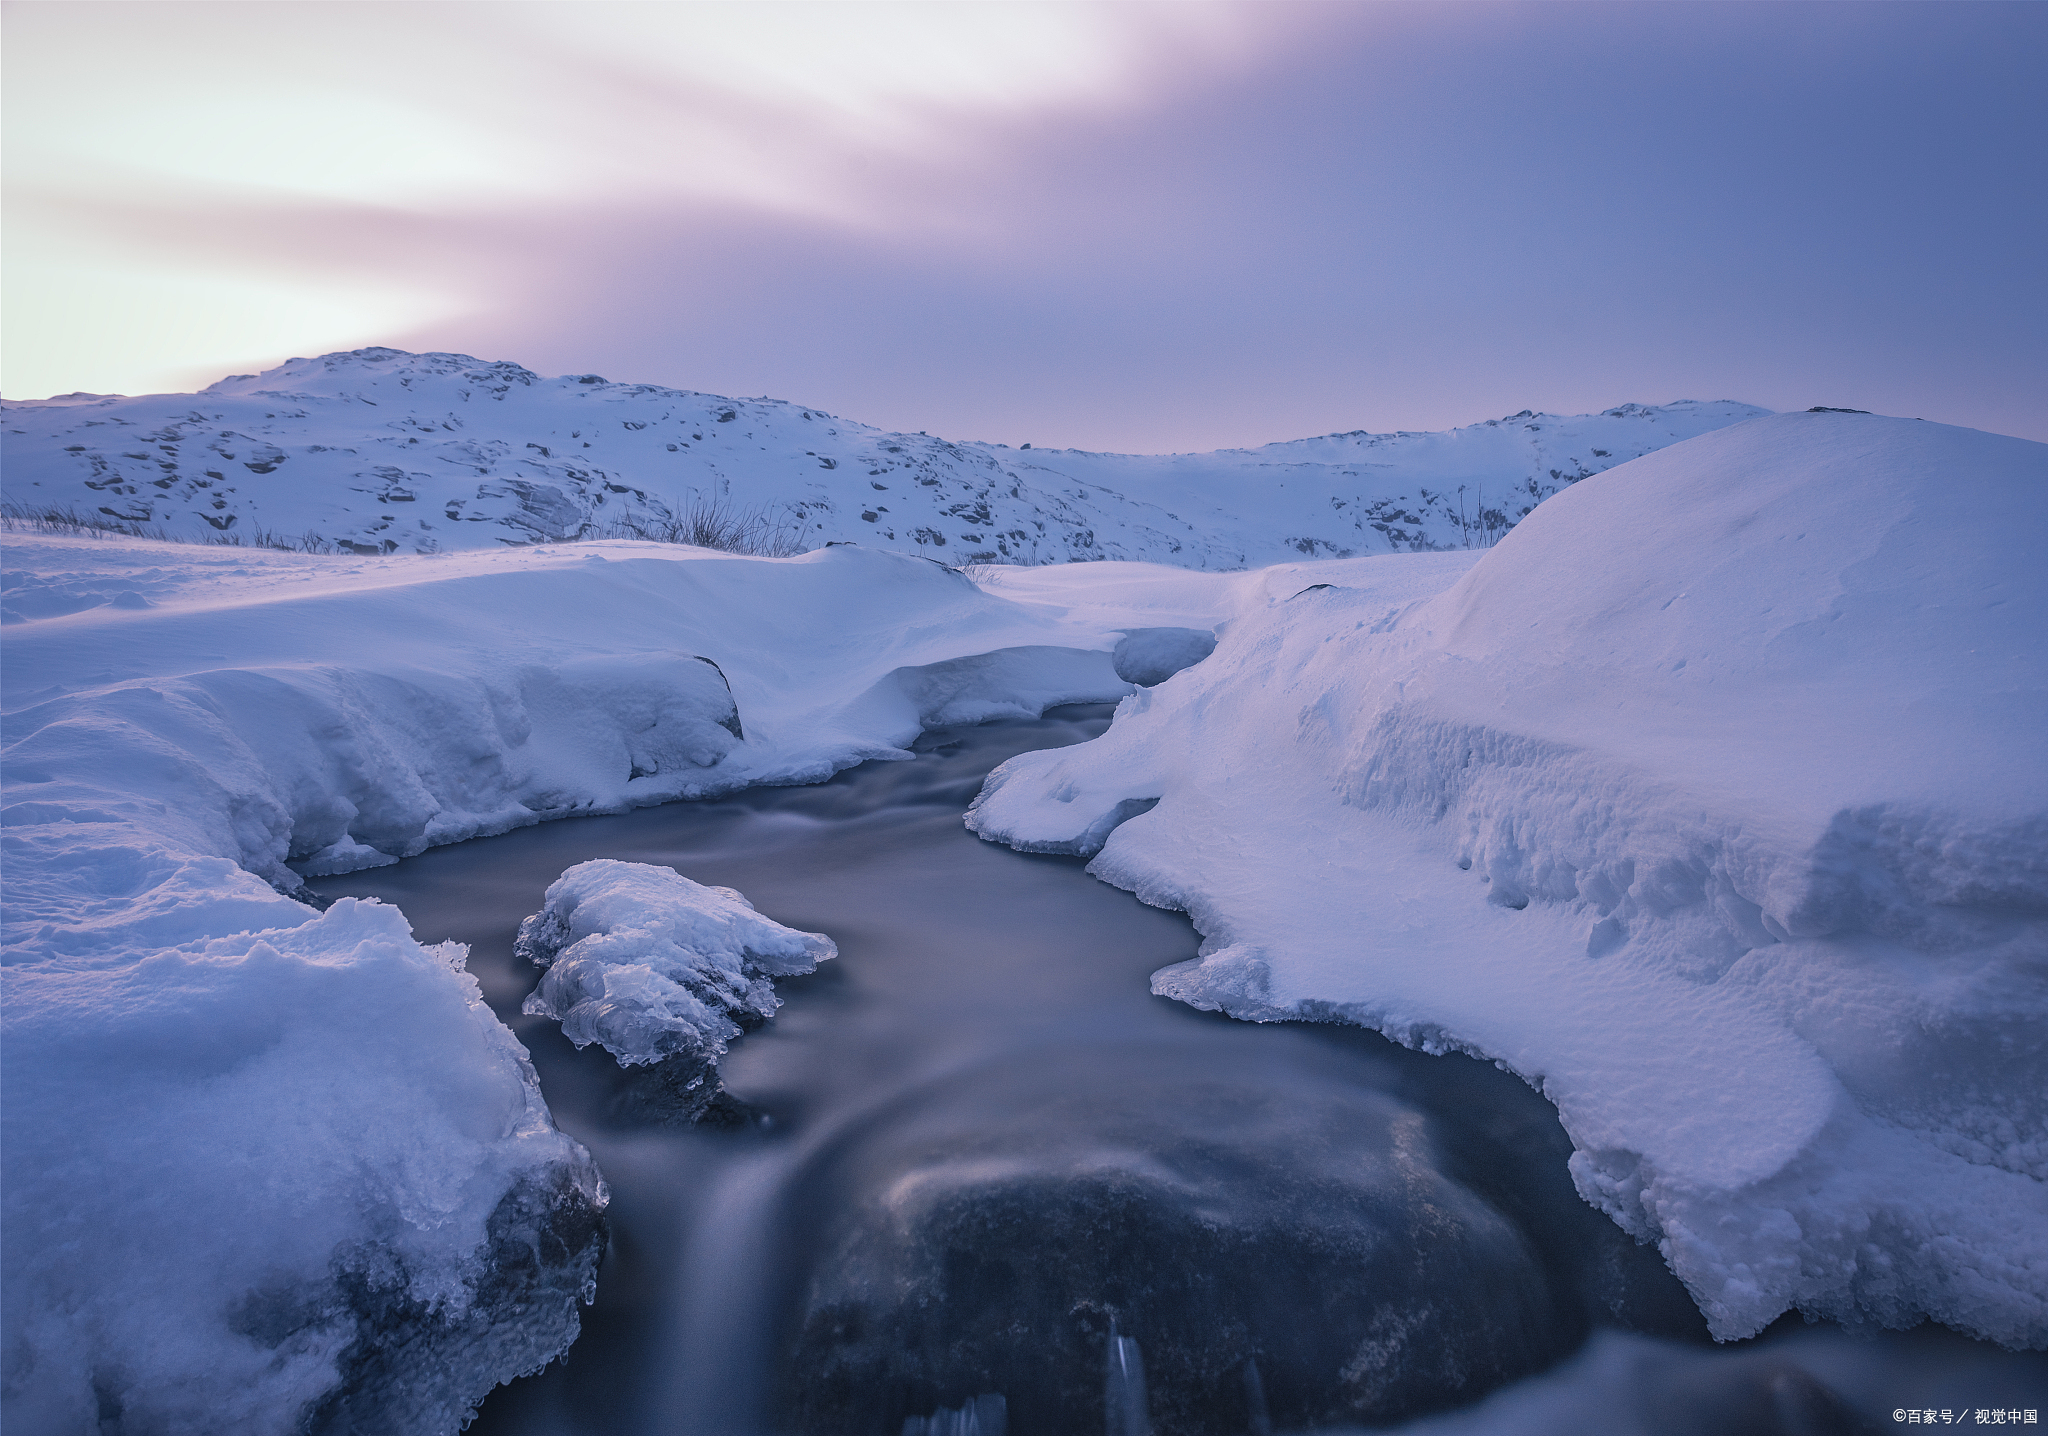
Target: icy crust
[
  {"x": 379, "y": 451},
  {"x": 651, "y": 965},
  {"x": 292, "y": 1179},
  {"x": 271, "y": 1170},
  {"x": 1712, "y": 802}
]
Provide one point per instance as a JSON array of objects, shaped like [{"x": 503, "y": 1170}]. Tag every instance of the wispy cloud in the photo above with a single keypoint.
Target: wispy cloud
[
  {"x": 1141, "y": 226},
  {"x": 159, "y": 154}
]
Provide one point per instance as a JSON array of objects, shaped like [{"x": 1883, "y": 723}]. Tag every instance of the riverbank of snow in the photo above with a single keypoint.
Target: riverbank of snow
[
  {"x": 1713, "y": 801},
  {"x": 266, "y": 1165}
]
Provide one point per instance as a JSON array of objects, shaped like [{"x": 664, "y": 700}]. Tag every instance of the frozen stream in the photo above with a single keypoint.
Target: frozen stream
[{"x": 982, "y": 1142}]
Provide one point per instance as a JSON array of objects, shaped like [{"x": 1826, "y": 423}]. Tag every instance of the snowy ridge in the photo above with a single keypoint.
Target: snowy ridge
[
  {"x": 653, "y": 966},
  {"x": 269, "y": 1167},
  {"x": 380, "y": 451},
  {"x": 1712, "y": 801}
]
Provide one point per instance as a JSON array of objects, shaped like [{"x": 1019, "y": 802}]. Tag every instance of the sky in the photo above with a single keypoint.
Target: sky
[{"x": 1112, "y": 226}]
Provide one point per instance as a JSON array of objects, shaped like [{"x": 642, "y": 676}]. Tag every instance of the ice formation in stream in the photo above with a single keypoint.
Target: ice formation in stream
[
  {"x": 653, "y": 966},
  {"x": 1713, "y": 801}
]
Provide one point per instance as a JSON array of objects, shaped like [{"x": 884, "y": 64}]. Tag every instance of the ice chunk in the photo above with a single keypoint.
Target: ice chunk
[{"x": 653, "y": 966}]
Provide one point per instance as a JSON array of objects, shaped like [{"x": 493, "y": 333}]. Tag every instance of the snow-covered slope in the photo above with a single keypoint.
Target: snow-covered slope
[
  {"x": 379, "y": 451},
  {"x": 1714, "y": 801},
  {"x": 266, "y": 1167}
]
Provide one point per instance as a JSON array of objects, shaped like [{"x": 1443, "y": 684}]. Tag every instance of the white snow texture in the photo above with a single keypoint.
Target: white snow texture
[
  {"x": 651, "y": 965},
  {"x": 1713, "y": 801},
  {"x": 380, "y": 451},
  {"x": 265, "y": 1163}
]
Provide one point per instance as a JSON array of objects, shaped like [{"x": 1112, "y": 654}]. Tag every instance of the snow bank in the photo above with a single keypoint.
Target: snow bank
[
  {"x": 1150, "y": 656},
  {"x": 267, "y": 1167},
  {"x": 260, "y": 1178},
  {"x": 380, "y": 451},
  {"x": 1713, "y": 801},
  {"x": 654, "y": 966}
]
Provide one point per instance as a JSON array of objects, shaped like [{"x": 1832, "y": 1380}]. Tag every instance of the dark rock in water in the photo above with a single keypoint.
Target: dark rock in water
[
  {"x": 1149, "y": 656},
  {"x": 1009, "y": 1230},
  {"x": 1760, "y": 1396},
  {"x": 413, "y": 1366},
  {"x": 682, "y": 1091}
]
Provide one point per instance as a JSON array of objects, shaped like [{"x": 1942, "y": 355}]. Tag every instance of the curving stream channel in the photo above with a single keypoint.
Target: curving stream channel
[{"x": 975, "y": 1158}]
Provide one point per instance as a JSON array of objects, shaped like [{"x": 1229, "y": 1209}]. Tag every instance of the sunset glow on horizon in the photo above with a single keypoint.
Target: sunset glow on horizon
[{"x": 1147, "y": 226}]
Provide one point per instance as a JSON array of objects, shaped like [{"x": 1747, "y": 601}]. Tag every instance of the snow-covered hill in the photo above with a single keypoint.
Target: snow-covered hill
[{"x": 380, "y": 451}]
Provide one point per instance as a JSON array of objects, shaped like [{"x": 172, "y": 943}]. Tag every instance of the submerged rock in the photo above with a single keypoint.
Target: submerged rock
[
  {"x": 662, "y": 972},
  {"x": 992, "y": 1242},
  {"x": 653, "y": 966}
]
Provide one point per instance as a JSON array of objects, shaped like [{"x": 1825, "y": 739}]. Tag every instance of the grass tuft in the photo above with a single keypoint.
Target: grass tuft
[{"x": 762, "y": 531}]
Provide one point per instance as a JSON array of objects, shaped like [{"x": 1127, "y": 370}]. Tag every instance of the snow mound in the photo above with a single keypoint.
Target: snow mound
[
  {"x": 1150, "y": 656},
  {"x": 268, "y": 1169},
  {"x": 264, "y": 1180},
  {"x": 379, "y": 451},
  {"x": 1713, "y": 801},
  {"x": 652, "y": 966}
]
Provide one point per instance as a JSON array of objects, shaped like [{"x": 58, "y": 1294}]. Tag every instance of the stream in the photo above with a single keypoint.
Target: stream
[{"x": 975, "y": 1178}]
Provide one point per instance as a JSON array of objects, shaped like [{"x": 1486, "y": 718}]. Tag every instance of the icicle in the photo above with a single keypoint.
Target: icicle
[
  {"x": 1255, "y": 1400},
  {"x": 1123, "y": 1388},
  {"x": 982, "y": 1416}
]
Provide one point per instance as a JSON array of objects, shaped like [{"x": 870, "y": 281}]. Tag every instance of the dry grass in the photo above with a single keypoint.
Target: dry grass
[
  {"x": 69, "y": 522},
  {"x": 762, "y": 531}
]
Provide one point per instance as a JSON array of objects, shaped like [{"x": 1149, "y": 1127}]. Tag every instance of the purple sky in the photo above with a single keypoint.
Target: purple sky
[{"x": 1123, "y": 227}]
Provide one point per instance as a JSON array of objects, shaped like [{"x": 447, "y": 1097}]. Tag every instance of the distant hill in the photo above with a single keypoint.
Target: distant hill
[{"x": 381, "y": 451}]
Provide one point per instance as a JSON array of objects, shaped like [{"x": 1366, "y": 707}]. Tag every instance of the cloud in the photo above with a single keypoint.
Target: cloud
[
  {"x": 162, "y": 158},
  {"x": 1110, "y": 226}
]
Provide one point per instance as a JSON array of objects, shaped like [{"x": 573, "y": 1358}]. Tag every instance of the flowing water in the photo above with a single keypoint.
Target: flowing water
[{"x": 978, "y": 1179}]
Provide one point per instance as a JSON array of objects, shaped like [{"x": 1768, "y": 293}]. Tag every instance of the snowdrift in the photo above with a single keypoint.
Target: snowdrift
[
  {"x": 1713, "y": 801},
  {"x": 267, "y": 1168},
  {"x": 380, "y": 451}
]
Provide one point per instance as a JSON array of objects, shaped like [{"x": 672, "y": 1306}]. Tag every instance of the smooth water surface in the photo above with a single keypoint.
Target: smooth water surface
[{"x": 981, "y": 1159}]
